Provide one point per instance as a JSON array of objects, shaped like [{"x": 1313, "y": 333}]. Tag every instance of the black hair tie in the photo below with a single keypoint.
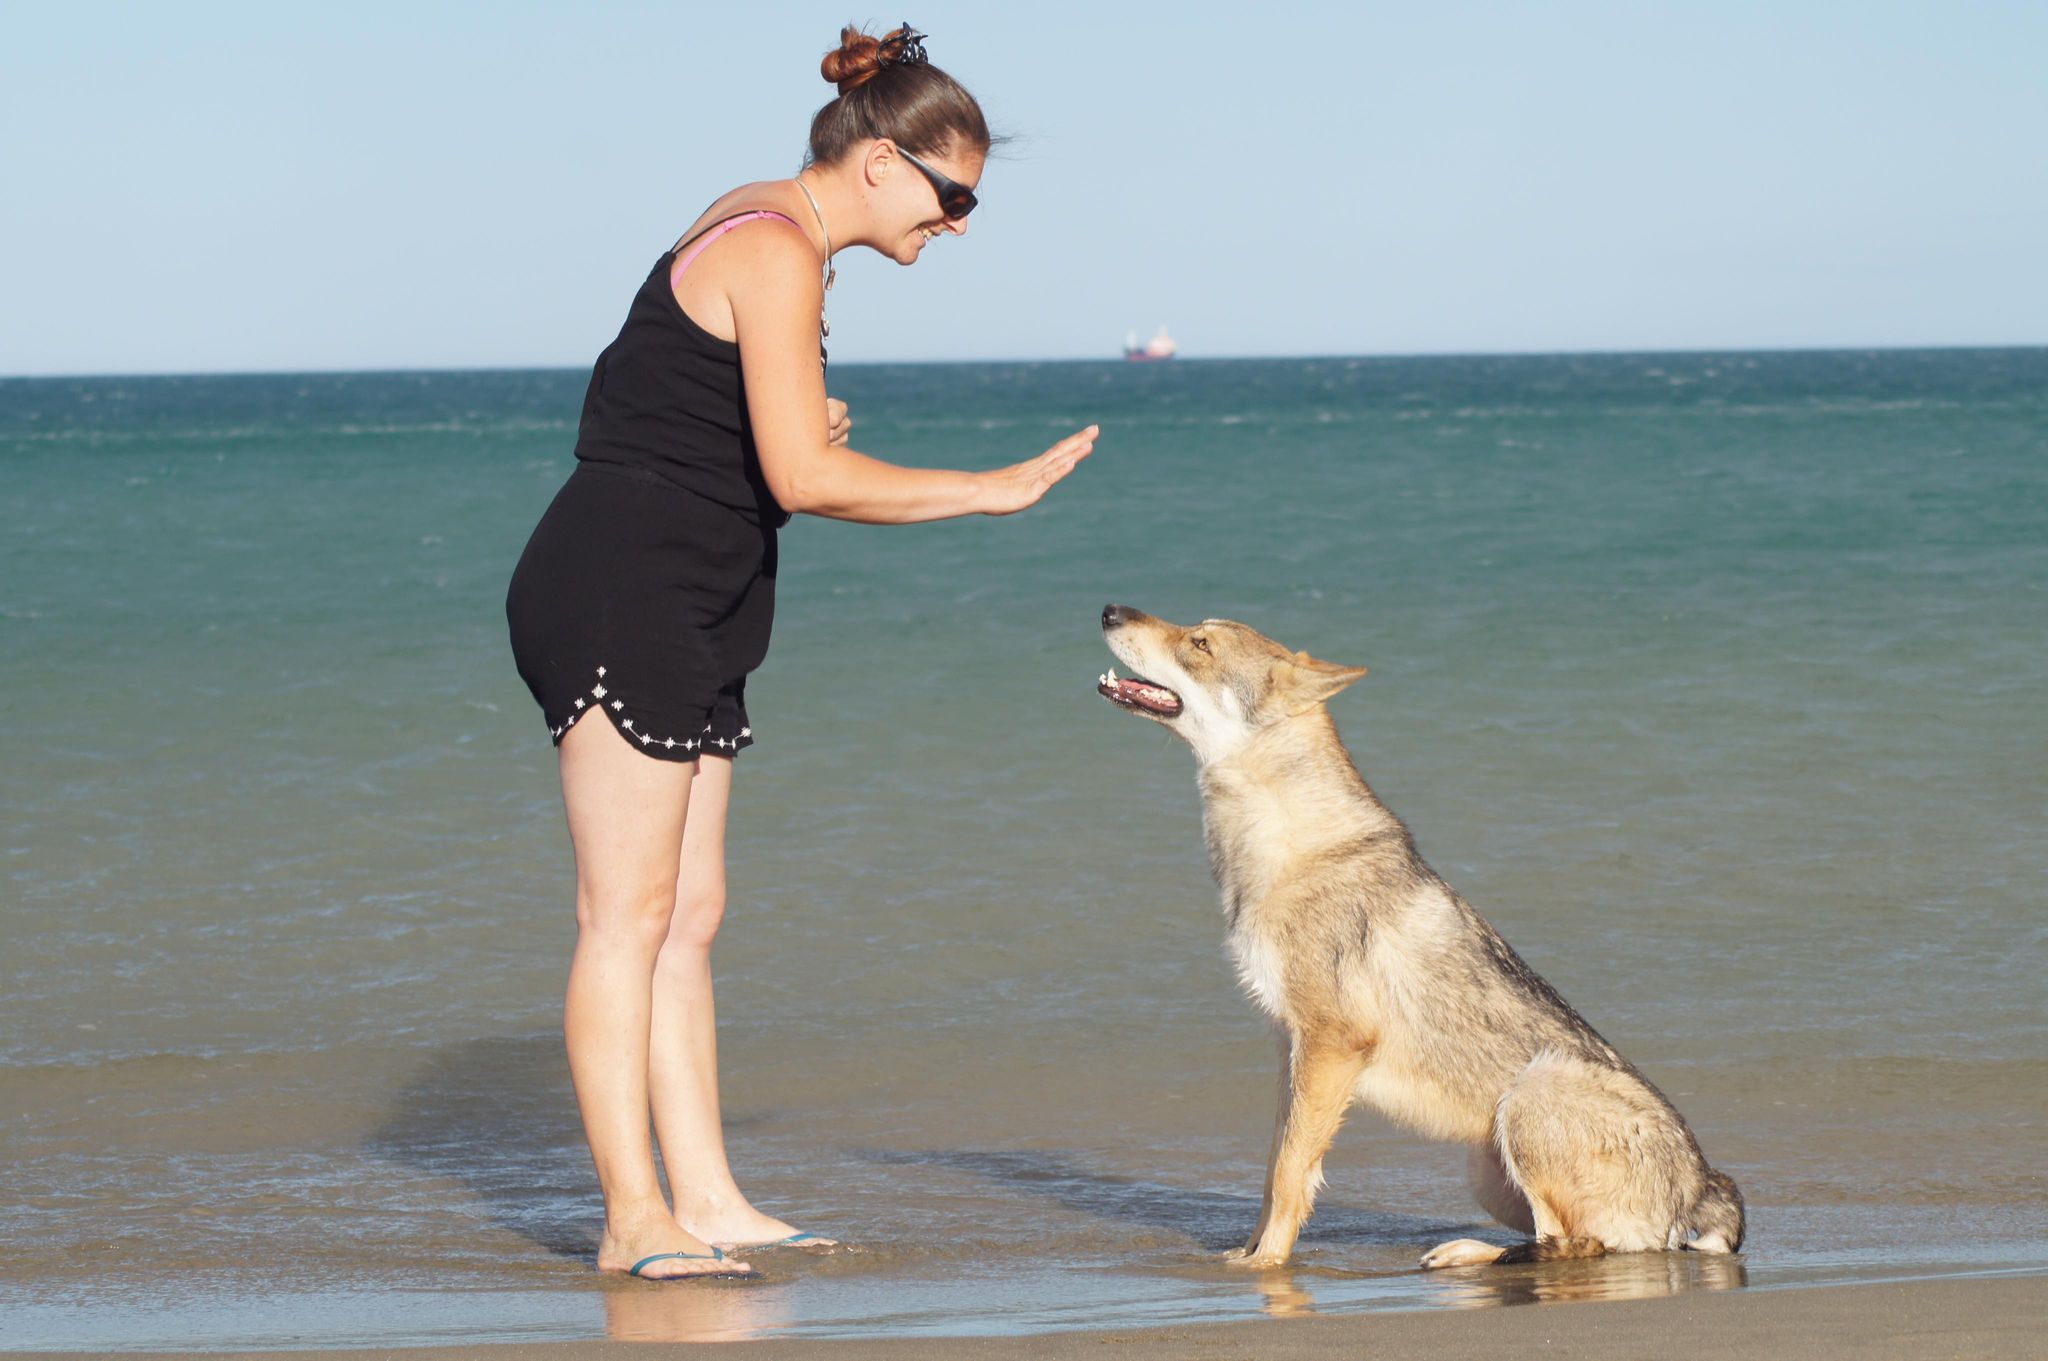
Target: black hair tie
[{"x": 906, "y": 48}]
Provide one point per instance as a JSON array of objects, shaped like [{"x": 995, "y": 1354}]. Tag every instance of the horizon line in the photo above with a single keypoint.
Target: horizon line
[{"x": 1116, "y": 360}]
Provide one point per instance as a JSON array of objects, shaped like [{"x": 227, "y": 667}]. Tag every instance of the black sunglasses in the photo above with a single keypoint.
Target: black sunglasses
[{"x": 956, "y": 200}]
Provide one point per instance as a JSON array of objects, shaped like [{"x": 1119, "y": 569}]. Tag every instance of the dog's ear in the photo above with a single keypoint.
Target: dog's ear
[{"x": 1310, "y": 681}]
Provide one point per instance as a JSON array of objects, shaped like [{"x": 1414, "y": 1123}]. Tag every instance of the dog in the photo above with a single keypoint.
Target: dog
[{"x": 1388, "y": 989}]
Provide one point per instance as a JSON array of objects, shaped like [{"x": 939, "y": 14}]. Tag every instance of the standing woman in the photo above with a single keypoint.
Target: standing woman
[{"x": 643, "y": 601}]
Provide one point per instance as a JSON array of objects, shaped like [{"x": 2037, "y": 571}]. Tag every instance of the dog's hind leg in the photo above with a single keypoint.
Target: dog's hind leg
[
  {"x": 1320, "y": 1080},
  {"x": 1461, "y": 1252},
  {"x": 1550, "y": 1243},
  {"x": 1496, "y": 1191},
  {"x": 1549, "y": 1152}
]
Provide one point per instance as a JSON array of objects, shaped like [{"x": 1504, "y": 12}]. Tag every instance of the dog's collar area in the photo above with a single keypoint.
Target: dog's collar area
[{"x": 1137, "y": 694}]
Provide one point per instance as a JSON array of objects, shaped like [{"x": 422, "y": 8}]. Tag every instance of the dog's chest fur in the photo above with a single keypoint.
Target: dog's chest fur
[
  {"x": 1259, "y": 967},
  {"x": 1336, "y": 935},
  {"x": 1250, "y": 846},
  {"x": 1268, "y": 839},
  {"x": 1246, "y": 835}
]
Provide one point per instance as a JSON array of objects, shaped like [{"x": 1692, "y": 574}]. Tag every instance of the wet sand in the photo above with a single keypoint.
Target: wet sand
[{"x": 1994, "y": 1317}]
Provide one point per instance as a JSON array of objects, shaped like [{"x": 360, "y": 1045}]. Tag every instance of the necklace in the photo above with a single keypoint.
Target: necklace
[{"x": 831, "y": 270}]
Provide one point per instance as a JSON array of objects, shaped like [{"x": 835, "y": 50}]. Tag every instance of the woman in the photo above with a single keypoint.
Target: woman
[{"x": 645, "y": 596}]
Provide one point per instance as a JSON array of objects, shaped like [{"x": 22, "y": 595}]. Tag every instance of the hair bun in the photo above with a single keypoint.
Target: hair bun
[
  {"x": 854, "y": 61},
  {"x": 858, "y": 56}
]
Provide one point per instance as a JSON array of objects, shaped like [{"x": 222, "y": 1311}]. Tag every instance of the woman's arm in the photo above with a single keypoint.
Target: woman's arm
[{"x": 776, "y": 295}]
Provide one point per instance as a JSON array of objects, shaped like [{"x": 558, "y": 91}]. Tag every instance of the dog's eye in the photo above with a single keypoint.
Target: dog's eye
[{"x": 1201, "y": 644}]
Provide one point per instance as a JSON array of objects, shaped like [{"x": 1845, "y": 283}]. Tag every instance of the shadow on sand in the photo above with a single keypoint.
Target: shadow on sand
[
  {"x": 1219, "y": 1220},
  {"x": 498, "y": 1116},
  {"x": 1215, "y": 1220}
]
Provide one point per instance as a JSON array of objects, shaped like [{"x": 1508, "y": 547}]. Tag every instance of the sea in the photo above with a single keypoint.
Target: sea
[{"x": 1717, "y": 682}]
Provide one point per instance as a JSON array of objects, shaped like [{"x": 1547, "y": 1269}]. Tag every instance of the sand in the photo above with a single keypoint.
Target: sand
[{"x": 1990, "y": 1317}]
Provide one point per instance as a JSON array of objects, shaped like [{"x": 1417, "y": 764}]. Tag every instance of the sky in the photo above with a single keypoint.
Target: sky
[{"x": 229, "y": 187}]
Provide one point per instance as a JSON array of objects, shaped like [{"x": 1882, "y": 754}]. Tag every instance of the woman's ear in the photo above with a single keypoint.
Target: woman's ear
[{"x": 879, "y": 161}]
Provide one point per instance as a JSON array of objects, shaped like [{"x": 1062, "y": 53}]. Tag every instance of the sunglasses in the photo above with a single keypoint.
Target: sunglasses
[{"x": 956, "y": 200}]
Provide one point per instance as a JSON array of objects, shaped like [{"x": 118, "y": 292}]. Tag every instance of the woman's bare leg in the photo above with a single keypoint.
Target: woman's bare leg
[
  {"x": 683, "y": 1072},
  {"x": 626, "y": 815}
]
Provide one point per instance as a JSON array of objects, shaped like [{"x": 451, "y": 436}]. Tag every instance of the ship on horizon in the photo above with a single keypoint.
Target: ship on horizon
[{"x": 1159, "y": 347}]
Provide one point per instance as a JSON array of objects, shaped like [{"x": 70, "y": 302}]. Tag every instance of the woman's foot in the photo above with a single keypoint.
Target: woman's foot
[
  {"x": 624, "y": 1246},
  {"x": 736, "y": 1224}
]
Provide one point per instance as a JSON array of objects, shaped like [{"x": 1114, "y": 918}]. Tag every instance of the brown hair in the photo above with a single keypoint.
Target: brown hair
[{"x": 887, "y": 89}]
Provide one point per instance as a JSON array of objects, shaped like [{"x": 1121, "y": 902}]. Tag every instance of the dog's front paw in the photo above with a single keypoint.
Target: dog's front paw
[
  {"x": 1460, "y": 1252},
  {"x": 1250, "y": 1256}
]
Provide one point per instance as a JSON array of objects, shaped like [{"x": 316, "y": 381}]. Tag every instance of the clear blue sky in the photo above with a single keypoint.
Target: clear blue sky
[{"x": 262, "y": 186}]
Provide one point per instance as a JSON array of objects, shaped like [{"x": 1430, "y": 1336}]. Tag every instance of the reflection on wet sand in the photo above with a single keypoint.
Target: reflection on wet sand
[
  {"x": 1282, "y": 1296},
  {"x": 1625, "y": 1276},
  {"x": 695, "y": 1311},
  {"x": 1283, "y": 1293}
]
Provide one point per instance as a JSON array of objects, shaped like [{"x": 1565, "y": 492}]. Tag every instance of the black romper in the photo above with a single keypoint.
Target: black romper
[{"x": 647, "y": 590}]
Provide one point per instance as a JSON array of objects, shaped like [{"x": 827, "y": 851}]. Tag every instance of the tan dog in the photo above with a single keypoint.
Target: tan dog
[{"x": 1389, "y": 989}]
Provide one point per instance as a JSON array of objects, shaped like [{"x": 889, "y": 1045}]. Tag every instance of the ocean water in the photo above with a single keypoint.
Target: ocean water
[{"x": 1717, "y": 682}]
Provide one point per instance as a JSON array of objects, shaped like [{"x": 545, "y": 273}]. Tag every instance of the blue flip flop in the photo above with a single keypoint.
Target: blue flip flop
[
  {"x": 715, "y": 1255},
  {"x": 795, "y": 1240}
]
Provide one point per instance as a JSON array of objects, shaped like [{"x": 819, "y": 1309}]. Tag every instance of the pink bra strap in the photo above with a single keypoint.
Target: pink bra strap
[{"x": 711, "y": 234}]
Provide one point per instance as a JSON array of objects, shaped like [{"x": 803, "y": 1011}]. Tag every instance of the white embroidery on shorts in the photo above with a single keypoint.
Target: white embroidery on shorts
[{"x": 647, "y": 739}]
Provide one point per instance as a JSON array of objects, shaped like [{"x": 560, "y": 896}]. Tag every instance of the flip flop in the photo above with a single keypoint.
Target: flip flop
[
  {"x": 795, "y": 1240},
  {"x": 715, "y": 1255}
]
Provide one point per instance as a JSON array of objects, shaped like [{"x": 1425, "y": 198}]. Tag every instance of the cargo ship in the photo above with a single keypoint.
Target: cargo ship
[{"x": 1158, "y": 347}]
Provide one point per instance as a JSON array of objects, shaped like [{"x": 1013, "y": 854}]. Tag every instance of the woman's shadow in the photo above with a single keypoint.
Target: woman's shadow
[
  {"x": 498, "y": 1117},
  {"x": 1213, "y": 1220}
]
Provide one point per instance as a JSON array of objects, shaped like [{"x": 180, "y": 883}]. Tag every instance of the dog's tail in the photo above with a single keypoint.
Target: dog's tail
[
  {"x": 1717, "y": 1219},
  {"x": 1554, "y": 1250}
]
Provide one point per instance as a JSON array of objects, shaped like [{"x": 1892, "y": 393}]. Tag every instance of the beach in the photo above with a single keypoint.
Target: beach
[
  {"x": 1714, "y": 681},
  {"x": 1967, "y": 1319}
]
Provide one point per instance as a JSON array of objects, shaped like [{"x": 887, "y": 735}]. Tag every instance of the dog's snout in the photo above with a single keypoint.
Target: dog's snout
[{"x": 1114, "y": 615}]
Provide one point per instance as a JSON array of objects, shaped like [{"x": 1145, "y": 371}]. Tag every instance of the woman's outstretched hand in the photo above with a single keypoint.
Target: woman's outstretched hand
[{"x": 1005, "y": 491}]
